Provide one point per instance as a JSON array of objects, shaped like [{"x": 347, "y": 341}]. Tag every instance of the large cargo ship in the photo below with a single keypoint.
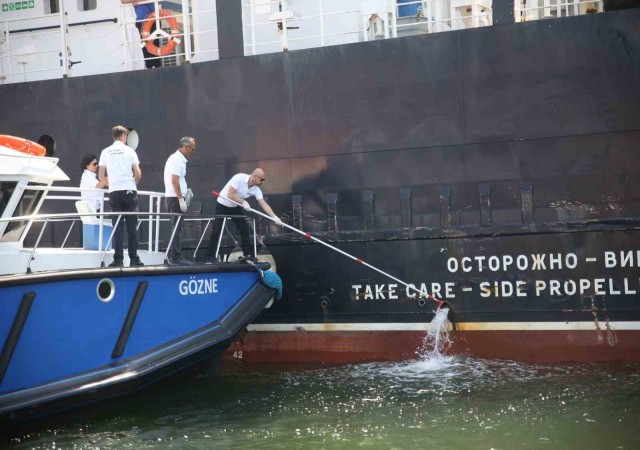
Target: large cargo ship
[{"x": 484, "y": 152}]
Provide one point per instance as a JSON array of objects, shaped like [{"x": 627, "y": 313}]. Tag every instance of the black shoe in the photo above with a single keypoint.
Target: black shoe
[
  {"x": 248, "y": 258},
  {"x": 117, "y": 263},
  {"x": 209, "y": 260},
  {"x": 136, "y": 263},
  {"x": 179, "y": 262}
]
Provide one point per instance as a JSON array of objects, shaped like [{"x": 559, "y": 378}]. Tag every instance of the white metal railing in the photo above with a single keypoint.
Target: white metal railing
[
  {"x": 52, "y": 56},
  {"x": 277, "y": 25},
  {"x": 185, "y": 50},
  {"x": 74, "y": 194},
  {"x": 273, "y": 25},
  {"x": 527, "y": 10},
  {"x": 154, "y": 246},
  {"x": 152, "y": 216},
  {"x": 42, "y": 46},
  {"x": 433, "y": 16},
  {"x": 72, "y": 41}
]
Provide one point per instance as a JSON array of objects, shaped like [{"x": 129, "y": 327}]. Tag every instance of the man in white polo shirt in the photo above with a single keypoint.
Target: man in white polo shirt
[
  {"x": 175, "y": 190},
  {"x": 240, "y": 187},
  {"x": 120, "y": 167}
]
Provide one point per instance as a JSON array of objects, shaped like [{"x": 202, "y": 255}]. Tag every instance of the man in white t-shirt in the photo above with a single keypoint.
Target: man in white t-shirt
[
  {"x": 175, "y": 190},
  {"x": 240, "y": 187},
  {"x": 120, "y": 164}
]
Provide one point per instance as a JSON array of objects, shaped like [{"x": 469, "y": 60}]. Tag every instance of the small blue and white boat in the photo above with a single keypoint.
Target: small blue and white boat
[{"x": 73, "y": 332}]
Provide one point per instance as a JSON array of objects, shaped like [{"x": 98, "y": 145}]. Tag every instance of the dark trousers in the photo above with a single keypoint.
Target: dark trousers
[
  {"x": 241, "y": 224},
  {"x": 124, "y": 201},
  {"x": 150, "y": 63},
  {"x": 173, "y": 206}
]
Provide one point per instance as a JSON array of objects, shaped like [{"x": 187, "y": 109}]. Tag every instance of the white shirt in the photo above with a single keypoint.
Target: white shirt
[
  {"x": 89, "y": 180},
  {"x": 119, "y": 159},
  {"x": 176, "y": 165},
  {"x": 240, "y": 183}
]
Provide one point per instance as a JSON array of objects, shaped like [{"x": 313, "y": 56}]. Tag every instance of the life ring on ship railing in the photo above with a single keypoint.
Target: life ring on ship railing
[
  {"x": 149, "y": 21},
  {"x": 22, "y": 145}
]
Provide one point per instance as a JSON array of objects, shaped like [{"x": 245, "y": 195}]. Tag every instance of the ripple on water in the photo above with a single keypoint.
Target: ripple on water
[{"x": 437, "y": 402}]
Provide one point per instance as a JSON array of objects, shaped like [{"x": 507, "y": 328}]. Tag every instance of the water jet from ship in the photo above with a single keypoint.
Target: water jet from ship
[{"x": 437, "y": 340}]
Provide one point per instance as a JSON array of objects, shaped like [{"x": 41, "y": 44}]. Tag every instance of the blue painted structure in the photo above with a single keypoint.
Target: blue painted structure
[{"x": 67, "y": 351}]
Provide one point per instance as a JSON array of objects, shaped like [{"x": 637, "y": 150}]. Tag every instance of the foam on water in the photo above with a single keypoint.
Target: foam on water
[{"x": 431, "y": 362}]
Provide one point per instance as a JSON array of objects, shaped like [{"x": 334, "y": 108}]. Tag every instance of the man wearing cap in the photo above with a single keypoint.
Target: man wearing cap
[
  {"x": 176, "y": 192},
  {"x": 240, "y": 187}
]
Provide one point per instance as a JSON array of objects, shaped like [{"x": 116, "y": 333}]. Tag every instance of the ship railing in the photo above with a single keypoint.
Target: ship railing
[
  {"x": 52, "y": 61},
  {"x": 37, "y": 47},
  {"x": 193, "y": 40},
  {"x": 152, "y": 217},
  {"x": 278, "y": 25},
  {"x": 434, "y": 16},
  {"x": 106, "y": 218},
  {"x": 74, "y": 194},
  {"x": 528, "y": 10},
  {"x": 273, "y": 25}
]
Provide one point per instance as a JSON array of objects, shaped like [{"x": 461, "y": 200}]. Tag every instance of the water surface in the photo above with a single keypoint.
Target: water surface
[{"x": 436, "y": 402}]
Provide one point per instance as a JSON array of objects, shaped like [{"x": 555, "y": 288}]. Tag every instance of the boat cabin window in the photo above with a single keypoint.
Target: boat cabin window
[
  {"x": 87, "y": 5},
  {"x": 26, "y": 206},
  {"x": 6, "y": 191}
]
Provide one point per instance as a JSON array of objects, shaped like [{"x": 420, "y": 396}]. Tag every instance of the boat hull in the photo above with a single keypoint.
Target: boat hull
[
  {"x": 569, "y": 296},
  {"x": 70, "y": 341}
]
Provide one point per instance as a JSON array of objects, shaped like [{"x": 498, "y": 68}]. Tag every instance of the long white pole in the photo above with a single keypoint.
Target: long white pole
[{"x": 358, "y": 260}]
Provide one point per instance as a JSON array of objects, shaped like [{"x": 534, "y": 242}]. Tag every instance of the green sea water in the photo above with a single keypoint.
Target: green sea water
[{"x": 433, "y": 402}]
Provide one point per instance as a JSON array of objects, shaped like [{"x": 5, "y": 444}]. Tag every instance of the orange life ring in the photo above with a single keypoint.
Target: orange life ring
[
  {"x": 22, "y": 145},
  {"x": 146, "y": 32}
]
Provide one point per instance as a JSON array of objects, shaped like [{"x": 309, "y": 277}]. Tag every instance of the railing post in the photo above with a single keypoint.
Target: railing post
[
  {"x": 186, "y": 22},
  {"x": 8, "y": 41},
  {"x": 125, "y": 40},
  {"x": 158, "y": 219},
  {"x": 394, "y": 20},
  {"x": 35, "y": 246},
  {"x": 321, "y": 22},
  {"x": 255, "y": 233},
  {"x": 283, "y": 8},
  {"x": 63, "y": 37},
  {"x": 365, "y": 22},
  {"x": 150, "y": 222},
  {"x": 173, "y": 234},
  {"x": 224, "y": 222},
  {"x": 253, "y": 27}
]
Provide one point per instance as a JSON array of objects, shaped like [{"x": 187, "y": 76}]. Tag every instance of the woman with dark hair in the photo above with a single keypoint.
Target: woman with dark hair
[{"x": 90, "y": 180}]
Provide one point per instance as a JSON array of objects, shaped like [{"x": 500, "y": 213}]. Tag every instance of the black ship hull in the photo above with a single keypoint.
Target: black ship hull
[{"x": 499, "y": 165}]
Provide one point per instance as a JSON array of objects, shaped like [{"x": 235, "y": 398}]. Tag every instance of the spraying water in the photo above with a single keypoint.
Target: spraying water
[
  {"x": 437, "y": 338},
  {"x": 431, "y": 366}
]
